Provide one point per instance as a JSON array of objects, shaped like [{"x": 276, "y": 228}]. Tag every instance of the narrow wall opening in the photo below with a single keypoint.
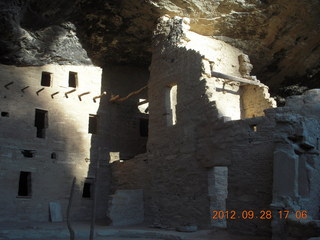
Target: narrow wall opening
[
  {"x": 41, "y": 122},
  {"x": 73, "y": 79},
  {"x": 87, "y": 188},
  {"x": 143, "y": 127},
  {"x": 93, "y": 124},
  {"x": 171, "y": 103},
  {"x": 218, "y": 193},
  {"x": 24, "y": 184}
]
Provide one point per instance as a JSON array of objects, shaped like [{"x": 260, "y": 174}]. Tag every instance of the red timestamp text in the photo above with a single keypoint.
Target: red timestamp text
[{"x": 263, "y": 214}]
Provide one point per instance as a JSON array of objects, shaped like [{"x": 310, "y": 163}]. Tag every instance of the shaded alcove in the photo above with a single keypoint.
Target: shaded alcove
[{"x": 120, "y": 128}]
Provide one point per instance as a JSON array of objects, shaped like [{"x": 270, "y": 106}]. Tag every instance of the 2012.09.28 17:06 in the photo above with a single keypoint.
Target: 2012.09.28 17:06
[{"x": 263, "y": 214}]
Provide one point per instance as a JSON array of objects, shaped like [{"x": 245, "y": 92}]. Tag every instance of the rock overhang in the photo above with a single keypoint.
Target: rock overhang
[{"x": 281, "y": 37}]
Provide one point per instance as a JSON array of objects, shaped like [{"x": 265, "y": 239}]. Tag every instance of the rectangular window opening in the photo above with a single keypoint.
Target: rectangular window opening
[
  {"x": 24, "y": 184},
  {"x": 41, "y": 122},
  {"x": 28, "y": 153},
  {"x": 73, "y": 79},
  {"x": 254, "y": 127},
  {"x": 93, "y": 124},
  {"x": 87, "y": 188},
  {"x": 4, "y": 114},
  {"x": 46, "y": 79},
  {"x": 53, "y": 155},
  {"x": 144, "y": 127},
  {"x": 171, "y": 103}
]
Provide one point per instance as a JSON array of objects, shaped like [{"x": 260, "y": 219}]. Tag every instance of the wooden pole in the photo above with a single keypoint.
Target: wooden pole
[
  {"x": 143, "y": 102},
  {"x": 82, "y": 94},
  {"x": 96, "y": 97},
  {"x": 236, "y": 79},
  {"x": 67, "y": 93},
  {"x": 94, "y": 200},
  {"x": 117, "y": 99},
  {"x": 69, "y": 208},
  {"x": 8, "y": 84}
]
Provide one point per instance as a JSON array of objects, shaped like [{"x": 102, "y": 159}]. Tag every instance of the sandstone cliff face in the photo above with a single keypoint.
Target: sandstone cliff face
[{"x": 280, "y": 36}]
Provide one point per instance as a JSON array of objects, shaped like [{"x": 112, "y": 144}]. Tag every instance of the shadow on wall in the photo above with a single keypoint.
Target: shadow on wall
[
  {"x": 174, "y": 183},
  {"x": 118, "y": 132},
  {"x": 49, "y": 162},
  {"x": 186, "y": 104},
  {"x": 54, "y": 131},
  {"x": 43, "y": 142}
]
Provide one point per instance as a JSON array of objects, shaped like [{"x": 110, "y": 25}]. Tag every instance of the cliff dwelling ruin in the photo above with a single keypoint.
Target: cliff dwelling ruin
[{"x": 188, "y": 146}]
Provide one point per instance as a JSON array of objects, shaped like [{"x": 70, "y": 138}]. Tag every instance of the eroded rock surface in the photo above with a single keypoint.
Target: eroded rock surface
[{"x": 280, "y": 36}]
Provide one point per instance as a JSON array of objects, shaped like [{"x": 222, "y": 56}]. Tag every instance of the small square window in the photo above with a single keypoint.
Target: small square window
[
  {"x": 4, "y": 114},
  {"x": 254, "y": 127},
  {"x": 28, "y": 153},
  {"x": 53, "y": 155}
]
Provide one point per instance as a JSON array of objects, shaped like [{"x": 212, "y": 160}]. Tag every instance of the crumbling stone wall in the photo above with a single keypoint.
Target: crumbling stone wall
[
  {"x": 214, "y": 54},
  {"x": 272, "y": 166},
  {"x": 271, "y": 156},
  {"x": 255, "y": 99},
  {"x": 176, "y": 177},
  {"x": 175, "y": 182},
  {"x": 296, "y": 167},
  {"x": 245, "y": 147}
]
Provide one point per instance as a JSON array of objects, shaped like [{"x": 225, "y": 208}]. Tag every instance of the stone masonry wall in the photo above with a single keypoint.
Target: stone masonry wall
[
  {"x": 67, "y": 149},
  {"x": 123, "y": 118},
  {"x": 273, "y": 165},
  {"x": 221, "y": 57},
  {"x": 123, "y": 132},
  {"x": 176, "y": 177},
  {"x": 255, "y": 99},
  {"x": 174, "y": 180},
  {"x": 271, "y": 156},
  {"x": 296, "y": 167},
  {"x": 246, "y": 148}
]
